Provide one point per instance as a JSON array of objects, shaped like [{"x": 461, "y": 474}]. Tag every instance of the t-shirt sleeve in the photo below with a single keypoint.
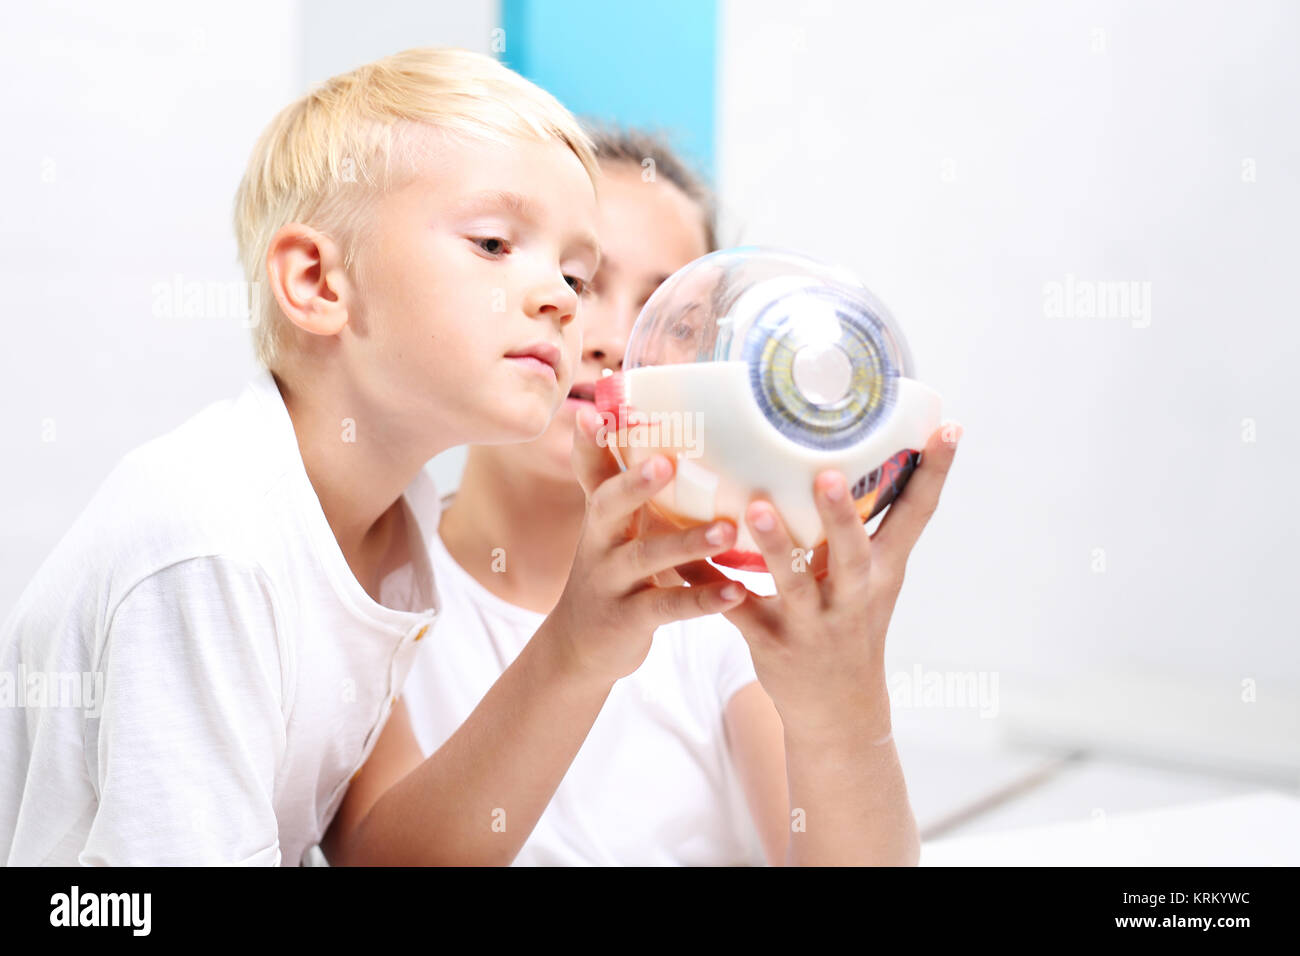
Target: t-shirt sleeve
[
  {"x": 733, "y": 666},
  {"x": 191, "y": 731}
]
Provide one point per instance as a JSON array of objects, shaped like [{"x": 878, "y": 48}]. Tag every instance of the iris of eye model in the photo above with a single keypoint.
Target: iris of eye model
[{"x": 819, "y": 368}]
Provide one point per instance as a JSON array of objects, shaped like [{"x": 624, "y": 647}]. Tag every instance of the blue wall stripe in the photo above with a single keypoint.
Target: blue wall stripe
[{"x": 651, "y": 65}]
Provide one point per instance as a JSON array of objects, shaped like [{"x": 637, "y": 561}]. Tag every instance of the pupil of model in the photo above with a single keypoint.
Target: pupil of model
[{"x": 822, "y": 373}]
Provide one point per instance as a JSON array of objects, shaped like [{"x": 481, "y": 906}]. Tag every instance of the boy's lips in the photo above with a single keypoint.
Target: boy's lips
[{"x": 541, "y": 356}]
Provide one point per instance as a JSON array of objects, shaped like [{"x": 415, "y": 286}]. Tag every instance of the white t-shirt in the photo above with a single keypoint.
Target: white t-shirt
[
  {"x": 654, "y": 782},
  {"x": 214, "y": 674}
]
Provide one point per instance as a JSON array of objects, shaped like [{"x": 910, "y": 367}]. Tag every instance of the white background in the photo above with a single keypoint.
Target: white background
[{"x": 1106, "y": 141}]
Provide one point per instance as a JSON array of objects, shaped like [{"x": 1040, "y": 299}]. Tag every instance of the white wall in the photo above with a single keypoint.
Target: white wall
[
  {"x": 127, "y": 128},
  {"x": 339, "y": 35},
  {"x": 126, "y": 131},
  {"x": 962, "y": 156}
]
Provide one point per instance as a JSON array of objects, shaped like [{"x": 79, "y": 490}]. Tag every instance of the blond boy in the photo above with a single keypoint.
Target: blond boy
[{"x": 247, "y": 591}]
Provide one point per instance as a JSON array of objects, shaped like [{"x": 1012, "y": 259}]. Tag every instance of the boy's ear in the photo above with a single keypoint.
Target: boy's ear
[{"x": 305, "y": 269}]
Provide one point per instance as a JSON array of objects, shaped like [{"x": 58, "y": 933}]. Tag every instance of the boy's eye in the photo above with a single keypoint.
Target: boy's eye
[
  {"x": 493, "y": 245},
  {"x": 578, "y": 285}
]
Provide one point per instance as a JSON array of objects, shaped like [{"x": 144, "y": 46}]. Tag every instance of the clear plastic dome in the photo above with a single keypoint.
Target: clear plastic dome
[{"x": 756, "y": 367}]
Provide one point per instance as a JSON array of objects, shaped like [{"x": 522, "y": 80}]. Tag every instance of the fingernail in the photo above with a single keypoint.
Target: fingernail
[
  {"x": 650, "y": 470},
  {"x": 764, "y": 521},
  {"x": 952, "y": 432},
  {"x": 731, "y": 592},
  {"x": 717, "y": 534},
  {"x": 833, "y": 488}
]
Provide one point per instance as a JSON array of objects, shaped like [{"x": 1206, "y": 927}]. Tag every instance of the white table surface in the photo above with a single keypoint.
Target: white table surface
[{"x": 1260, "y": 828}]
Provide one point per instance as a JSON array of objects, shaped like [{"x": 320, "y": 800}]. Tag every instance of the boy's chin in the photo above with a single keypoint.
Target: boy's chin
[
  {"x": 530, "y": 424},
  {"x": 521, "y": 432}
]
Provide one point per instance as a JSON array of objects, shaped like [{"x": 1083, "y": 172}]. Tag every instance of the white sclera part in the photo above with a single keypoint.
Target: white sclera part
[
  {"x": 695, "y": 490},
  {"x": 738, "y": 446}
]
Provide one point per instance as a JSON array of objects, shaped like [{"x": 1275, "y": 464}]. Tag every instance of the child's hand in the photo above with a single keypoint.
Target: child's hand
[
  {"x": 818, "y": 645},
  {"x": 612, "y": 605}
]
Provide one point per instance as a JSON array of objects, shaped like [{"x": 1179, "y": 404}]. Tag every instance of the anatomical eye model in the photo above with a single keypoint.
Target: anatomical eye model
[{"x": 755, "y": 369}]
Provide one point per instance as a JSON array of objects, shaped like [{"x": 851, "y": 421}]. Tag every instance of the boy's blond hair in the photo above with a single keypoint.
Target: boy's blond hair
[{"x": 327, "y": 156}]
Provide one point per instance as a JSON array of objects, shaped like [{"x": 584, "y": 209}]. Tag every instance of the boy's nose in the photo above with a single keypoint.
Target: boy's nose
[{"x": 552, "y": 299}]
